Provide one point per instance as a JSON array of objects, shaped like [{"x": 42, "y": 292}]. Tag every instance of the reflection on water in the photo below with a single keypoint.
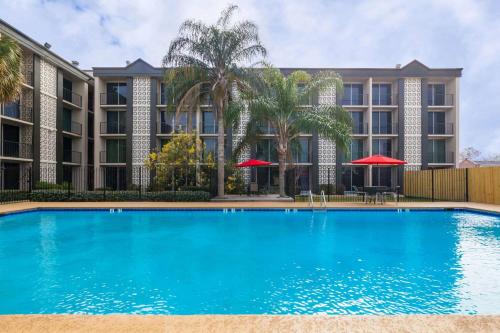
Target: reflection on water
[{"x": 478, "y": 251}]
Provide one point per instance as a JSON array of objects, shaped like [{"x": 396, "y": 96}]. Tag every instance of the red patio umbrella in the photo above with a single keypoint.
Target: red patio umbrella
[
  {"x": 252, "y": 163},
  {"x": 378, "y": 160},
  {"x": 381, "y": 160}
]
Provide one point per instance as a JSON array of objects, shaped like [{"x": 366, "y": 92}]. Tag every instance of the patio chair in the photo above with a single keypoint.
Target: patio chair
[
  {"x": 254, "y": 187},
  {"x": 371, "y": 194},
  {"x": 359, "y": 192}
]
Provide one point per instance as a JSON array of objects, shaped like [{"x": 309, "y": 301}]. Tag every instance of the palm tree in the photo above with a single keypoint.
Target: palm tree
[
  {"x": 281, "y": 103},
  {"x": 10, "y": 69},
  {"x": 216, "y": 56}
]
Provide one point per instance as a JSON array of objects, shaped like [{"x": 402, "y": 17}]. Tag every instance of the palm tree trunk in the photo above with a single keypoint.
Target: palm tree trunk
[
  {"x": 281, "y": 165},
  {"x": 220, "y": 154}
]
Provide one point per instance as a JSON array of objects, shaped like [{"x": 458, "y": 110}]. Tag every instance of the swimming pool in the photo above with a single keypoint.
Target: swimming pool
[{"x": 251, "y": 262}]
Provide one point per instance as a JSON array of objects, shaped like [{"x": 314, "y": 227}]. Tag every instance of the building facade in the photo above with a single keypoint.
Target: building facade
[
  {"x": 110, "y": 118},
  {"x": 44, "y": 133}
]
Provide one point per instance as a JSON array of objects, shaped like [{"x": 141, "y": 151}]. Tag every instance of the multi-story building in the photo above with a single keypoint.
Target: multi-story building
[
  {"x": 110, "y": 118},
  {"x": 45, "y": 129}
]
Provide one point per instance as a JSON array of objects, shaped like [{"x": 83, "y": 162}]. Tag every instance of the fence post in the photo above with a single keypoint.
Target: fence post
[
  {"x": 432, "y": 185},
  {"x": 328, "y": 184},
  {"x": 104, "y": 183},
  {"x": 140, "y": 182},
  {"x": 466, "y": 184},
  {"x": 30, "y": 180},
  {"x": 69, "y": 190}
]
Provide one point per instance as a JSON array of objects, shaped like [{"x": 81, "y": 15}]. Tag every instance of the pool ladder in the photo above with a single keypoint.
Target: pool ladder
[{"x": 322, "y": 201}]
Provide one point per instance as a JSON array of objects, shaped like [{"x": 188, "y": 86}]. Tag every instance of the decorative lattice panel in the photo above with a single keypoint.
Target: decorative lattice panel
[
  {"x": 413, "y": 123},
  {"x": 326, "y": 148},
  {"x": 48, "y": 173},
  {"x": 141, "y": 125},
  {"x": 48, "y": 113},
  {"x": 48, "y": 78}
]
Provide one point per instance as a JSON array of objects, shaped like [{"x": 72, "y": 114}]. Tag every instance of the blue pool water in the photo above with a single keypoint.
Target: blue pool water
[{"x": 258, "y": 262}]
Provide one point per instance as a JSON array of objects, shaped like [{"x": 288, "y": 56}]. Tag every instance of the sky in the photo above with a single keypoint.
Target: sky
[{"x": 327, "y": 33}]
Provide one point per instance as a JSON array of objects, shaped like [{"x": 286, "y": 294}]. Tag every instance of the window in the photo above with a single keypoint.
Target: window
[
  {"x": 357, "y": 149},
  {"x": 66, "y": 120},
  {"x": 357, "y": 123},
  {"x": 381, "y": 176},
  {"x": 115, "y": 151},
  {"x": 266, "y": 150},
  {"x": 116, "y": 93},
  {"x": 353, "y": 94},
  {"x": 436, "y": 123},
  {"x": 209, "y": 122},
  {"x": 353, "y": 176},
  {"x": 381, "y": 94},
  {"x": 301, "y": 150},
  {"x": 67, "y": 149},
  {"x": 67, "y": 90},
  {"x": 437, "y": 151},
  {"x": 115, "y": 178},
  {"x": 116, "y": 122},
  {"x": 382, "y": 147},
  {"x": 381, "y": 122},
  {"x": 435, "y": 94},
  {"x": 205, "y": 96}
]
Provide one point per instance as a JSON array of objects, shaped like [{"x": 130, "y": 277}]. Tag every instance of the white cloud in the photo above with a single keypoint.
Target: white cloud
[{"x": 440, "y": 33}]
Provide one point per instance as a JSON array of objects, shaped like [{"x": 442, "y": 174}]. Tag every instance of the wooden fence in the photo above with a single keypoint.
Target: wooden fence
[{"x": 473, "y": 184}]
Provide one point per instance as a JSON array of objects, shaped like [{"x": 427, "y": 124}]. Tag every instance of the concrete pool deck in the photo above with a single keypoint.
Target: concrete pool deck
[
  {"x": 250, "y": 323},
  {"x": 245, "y": 323},
  {"x": 14, "y": 207}
]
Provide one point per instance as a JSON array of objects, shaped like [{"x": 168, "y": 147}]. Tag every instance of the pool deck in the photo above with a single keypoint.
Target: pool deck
[
  {"x": 14, "y": 207},
  {"x": 246, "y": 323},
  {"x": 237, "y": 324}
]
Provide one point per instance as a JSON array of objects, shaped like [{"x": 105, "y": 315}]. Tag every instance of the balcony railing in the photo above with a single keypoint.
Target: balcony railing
[
  {"x": 356, "y": 155},
  {"x": 112, "y": 99},
  {"x": 388, "y": 153},
  {"x": 165, "y": 128},
  {"x": 72, "y": 97},
  {"x": 385, "y": 101},
  {"x": 113, "y": 128},
  {"x": 360, "y": 128},
  {"x": 441, "y": 157},
  {"x": 17, "y": 149},
  {"x": 391, "y": 128},
  {"x": 71, "y": 156},
  {"x": 355, "y": 100},
  {"x": 112, "y": 157},
  {"x": 442, "y": 100},
  {"x": 17, "y": 111},
  {"x": 73, "y": 127},
  {"x": 28, "y": 78},
  {"x": 441, "y": 129}
]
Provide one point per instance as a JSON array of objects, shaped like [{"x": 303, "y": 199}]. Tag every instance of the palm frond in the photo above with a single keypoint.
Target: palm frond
[
  {"x": 331, "y": 121},
  {"x": 11, "y": 76}
]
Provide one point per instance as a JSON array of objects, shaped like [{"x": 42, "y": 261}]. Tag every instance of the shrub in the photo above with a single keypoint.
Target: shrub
[
  {"x": 61, "y": 195},
  {"x": 42, "y": 185},
  {"x": 13, "y": 195}
]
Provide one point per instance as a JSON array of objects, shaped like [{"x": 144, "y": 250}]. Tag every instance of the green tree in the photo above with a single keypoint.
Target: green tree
[
  {"x": 216, "y": 56},
  {"x": 10, "y": 69},
  {"x": 178, "y": 161},
  {"x": 282, "y": 101}
]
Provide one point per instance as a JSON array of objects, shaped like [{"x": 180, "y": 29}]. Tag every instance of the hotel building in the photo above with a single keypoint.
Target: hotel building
[{"x": 110, "y": 118}]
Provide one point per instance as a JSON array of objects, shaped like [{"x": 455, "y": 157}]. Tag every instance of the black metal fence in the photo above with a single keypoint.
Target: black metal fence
[{"x": 112, "y": 183}]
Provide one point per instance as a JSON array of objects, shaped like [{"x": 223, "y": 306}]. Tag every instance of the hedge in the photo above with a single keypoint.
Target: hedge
[
  {"x": 60, "y": 195},
  {"x": 13, "y": 195}
]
